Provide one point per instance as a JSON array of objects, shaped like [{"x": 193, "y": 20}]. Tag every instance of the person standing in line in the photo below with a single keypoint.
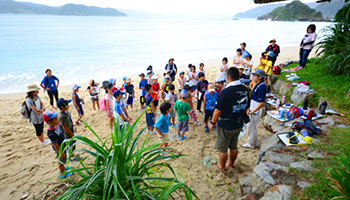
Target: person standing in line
[
  {"x": 273, "y": 47},
  {"x": 256, "y": 108},
  {"x": 244, "y": 51},
  {"x": 172, "y": 68},
  {"x": 223, "y": 72},
  {"x": 237, "y": 58},
  {"x": 232, "y": 104},
  {"x": 306, "y": 45},
  {"x": 49, "y": 84}
]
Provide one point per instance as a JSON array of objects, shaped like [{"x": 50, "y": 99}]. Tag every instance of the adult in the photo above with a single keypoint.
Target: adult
[
  {"x": 243, "y": 50},
  {"x": 232, "y": 103},
  {"x": 273, "y": 47},
  {"x": 237, "y": 58},
  {"x": 172, "y": 68},
  {"x": 256, "y": 108},
  {"x": 36, "y": 109},
  {"x": 49, "y": 84},
  {"x": 306, "y": 45}
]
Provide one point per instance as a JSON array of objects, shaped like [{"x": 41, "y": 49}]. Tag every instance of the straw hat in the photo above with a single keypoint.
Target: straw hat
[
  {"x": 240, "y": 67},
  {"x": 273, "y": 40},
  {"x": 211, "y": 88},
  {"x": 32, "y": 88},
  {"x": 128, "y": 80}
]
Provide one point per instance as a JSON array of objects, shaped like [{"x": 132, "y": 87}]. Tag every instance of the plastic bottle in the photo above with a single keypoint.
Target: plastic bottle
[
  {"x": 277, "y": 104},
  {"x": 304, "y": 133},
  {"x": 283, "y": 99},
  {"x": 306, "y": 137},
  {"x": 323, "y": 107},
  {"x": 311, "y": 114},
  {"x": 306, "y": 103}
]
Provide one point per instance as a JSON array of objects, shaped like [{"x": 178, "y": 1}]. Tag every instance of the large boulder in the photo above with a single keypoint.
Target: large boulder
[
  {"x": 302, "y": 166},
  {"x": 299, "y": 97},
  {"x": 277, "y": 192},
  {"x": 278, "y": 158},
  {"x": 282, "y": 87},
  {"x": 268, "y": 142},
  {"x": 316, "y": 154}
]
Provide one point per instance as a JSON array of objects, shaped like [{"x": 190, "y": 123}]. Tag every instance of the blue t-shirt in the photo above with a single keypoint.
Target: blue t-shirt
[
  {"x": 259, "y": 92},
  {"x": 245, "y": 53},
  {"x": 148, "y": 100},
  {"x": 118, "y": 106},
  {"x": 163, "y": 123},
  {"x": 142, "y": 84},
  {"x": 55, "y": 135},
  {"x": 50, "y": 82},
  {"x": 77, "y": 100},
  {"x": 210, "y": 101}
]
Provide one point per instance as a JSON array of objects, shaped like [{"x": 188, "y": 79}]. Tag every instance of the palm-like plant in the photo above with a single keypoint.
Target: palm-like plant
[
  {"x": 123, "y": 169},
  {"x": 340, "y": 178}
]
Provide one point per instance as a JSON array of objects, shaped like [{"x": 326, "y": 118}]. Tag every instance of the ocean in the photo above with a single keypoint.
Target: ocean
[{"x": 80, "y": 48}]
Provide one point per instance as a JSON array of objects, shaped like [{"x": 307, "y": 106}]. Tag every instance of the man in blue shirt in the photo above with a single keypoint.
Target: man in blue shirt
[
  {"x": 245, "y": 53},
  {"x": 142, "y": 84},
  {"x": 255, "y": 111},
  {"x": 49, "y": 84}
]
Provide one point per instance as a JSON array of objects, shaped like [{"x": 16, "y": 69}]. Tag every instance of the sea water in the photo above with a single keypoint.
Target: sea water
[{"x": 80, "y": 48}]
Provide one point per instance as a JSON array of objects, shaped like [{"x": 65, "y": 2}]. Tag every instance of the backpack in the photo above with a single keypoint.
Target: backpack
[
  {"x": 296, "y": 112},
  {"x": 298, "y": 126},
  {"x": 276, "y": 70},
  {"x": 103, "y": 104},
  {"x": 311, "y": 128},
  {"x": 25, "y": 112}
]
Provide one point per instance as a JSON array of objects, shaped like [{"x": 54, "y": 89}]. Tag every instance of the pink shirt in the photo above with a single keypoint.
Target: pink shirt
[{"x": 309, "y": 37}]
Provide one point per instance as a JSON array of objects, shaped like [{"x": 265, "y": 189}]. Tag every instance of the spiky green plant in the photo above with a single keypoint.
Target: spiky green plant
[
  {"x": 124, "y": 169},
  {"x": 340, "y": 178},
  {"x": 334, "y": 47}
]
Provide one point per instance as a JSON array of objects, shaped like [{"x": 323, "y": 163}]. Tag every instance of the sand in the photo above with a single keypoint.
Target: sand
[{"x": 30, "y": 168}]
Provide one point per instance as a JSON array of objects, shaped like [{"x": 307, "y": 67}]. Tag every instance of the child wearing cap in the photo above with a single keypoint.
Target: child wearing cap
[
  {"x": 156, "y": 90},
  {"x": 210, "y": 99},
  {"x": 182, "y": 80},
  {"x": 77, "y": 103},
  {"x": 165, "y": 86},
  {"x": 124, "y": 81},
  {"x": 120, "y": 110},
  {"x": 66, "y": 123},
  {"x": 143, "y": 82},
  {"x": 182, "y": 108},
  {"x": 151, "y": 109},
  {"x": 56, "y": 136},
  {"x": 193, "y": 114},
  {"x": 201, "y": 68},
  {"x": 241, "y": 70},
  {"x": 171, "y": 98},
  {"x": 129, "y": 94},
  {"x": 202, "y": 87},
  {"x": 162, "y": 125},
  {"x": 94, "y": 91}
]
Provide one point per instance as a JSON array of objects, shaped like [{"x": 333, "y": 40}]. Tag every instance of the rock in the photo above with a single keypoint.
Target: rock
[
  {"x": 261, "y": 176},
  {"x": 303, "y": 165},
  {"x": 303, "y": 184},
  {"x": 342, "y": 126},
  {"x": 281, "y": 87},
  {"x": 274, "y": 126},
  {"x": 277, "y": 192},
  {"x": 278, "y": 158},
  {"x": 298, "y": 148},
  {"x": 328, "y": 121},
  {"x": 315, "y": 140},
  {"x": 245, "y": 179},
  {"x": 249, "y": 197},
  {"x": 316, "y": 154},
  {"x": 246, "y": 190},
  {"x": 268, "y": 142},
  {"x": 297, "y": 97}
]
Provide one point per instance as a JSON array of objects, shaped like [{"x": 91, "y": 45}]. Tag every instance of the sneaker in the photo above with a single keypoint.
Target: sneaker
[
  {"x": 206, "y": 129},
  {"x": 247, "y": 146},
  {"x": 200, "y": 112},
  {"x": 164, "y": 154},
  {"x": 76, "y": 123},
  {"x": 197, "y": 123},
  {"x": 65, "y": 175},
  {"x": 182, "y": 138},
  {"x": 174, "y": 125},
  {"x": 153, "y": 132},
  {"x": 46, "y": 142}
]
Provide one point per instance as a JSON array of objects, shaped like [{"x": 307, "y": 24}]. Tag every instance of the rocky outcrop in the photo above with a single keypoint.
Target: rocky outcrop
[{"x": 277, "y": 192}]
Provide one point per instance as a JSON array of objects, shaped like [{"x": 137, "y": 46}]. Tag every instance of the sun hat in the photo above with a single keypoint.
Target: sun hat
[
  {"x": 61, "y": 102},
  {"x": 49, "y": 115},
  {"x": 155, "y": 77},
  {"x": 91, "y": 81},
  {"x": 124, "y": 78},
  {"x": 240, "y": 67},
  {"x": 273, "y": 40},
  {"x": 32, "y": 88},
  {"x": 167, "y": 77},
  {"x": 118, "y": 93},
  {"x": 128, "y": 80},
  {"x": 142, "y": 74},
  {"x": 211, "y": 88},
  {"x": 182, "y": 72},
  {"x": 111, "y": 80},
  {"x": 271, "y": 54},
  {"x": 149, "y": 71},
  {"x": 184, "y": 94},
  {"x": 244, "y": 43},
  {"x": 75, "y": 87},
  {"x": 259, "y": 72}
]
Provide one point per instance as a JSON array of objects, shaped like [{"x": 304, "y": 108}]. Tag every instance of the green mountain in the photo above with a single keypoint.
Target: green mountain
[
  {"x": 294, "y": 11},
  {"x": 10, "y": 6}
]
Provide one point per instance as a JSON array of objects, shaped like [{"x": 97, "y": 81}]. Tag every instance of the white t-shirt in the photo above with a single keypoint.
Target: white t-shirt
[
  {"x": 193, "y": 81},
  {"x": 247, "y": 69},
  {"x": 239, "y": 59},
  {"x": 309, "y": 37},
  {"x": 201, "y": 71},
  {"x": 182, "y": 81},
  {"x": 223, "y": 74}
]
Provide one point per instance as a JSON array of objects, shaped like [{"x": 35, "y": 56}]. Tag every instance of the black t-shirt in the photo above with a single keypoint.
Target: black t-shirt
[
  {"x": 129, "y": 88},
  {"x": 202, "y": 86},
  {"x": 56, "y": 136},
  {"x": 243, "y": 76},
  {"x": 232, "y": 101}
]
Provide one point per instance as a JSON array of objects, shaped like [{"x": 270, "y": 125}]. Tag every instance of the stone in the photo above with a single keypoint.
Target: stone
[
  {"x": 274, "y": 126},
  {"x": 298, "y": 98},
  {"x": 342, "y": 126},
  {"x": 315, "y": 140},
  {"x": 249, "y": 197},
  {"x": 303, "y": 165},
  {"x": 262, "y": 178},
  {"x": 277, "y": 192},
  {"x": 316, "y": 154},
  {"x": 268, "y": 142},
  {"x": 303, "y": 184},
  {"x": 246, "y": 190},
  {"x": 278, "y": 158},
  {"x": 245, "y": 179},
  {"x": 282, "y": 87},
  {"x": 327, "y": 121}
]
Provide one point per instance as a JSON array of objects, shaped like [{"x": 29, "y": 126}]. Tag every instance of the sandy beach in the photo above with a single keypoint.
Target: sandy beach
[{"x": 30, "y": 168}]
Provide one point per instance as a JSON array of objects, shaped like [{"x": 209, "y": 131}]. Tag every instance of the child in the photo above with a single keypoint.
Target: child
[
  {"x": 181, "y": 80},
  {"x": 56, "y": 136},
  {"x": 114, "y": 83},
  {"x": 248, "y": 65},
  {"x": 182, "y": 108},
  {"x": 241, "y": 75},
  {"x": 66, "y": 124},
  {"x": 108, "y": 98},
  {"x": 124, "y": 81},
  {"x": 193, "y": 78},
  {"x": 77, "y": 103},
  {"x": 202, "y": 87},
  {"x": 268, "y": 68},
  {"x": 189, "y": 100},
  {"x": 201, "y": 68},
  {"x": 120, "y": 111},
  {"x": 210, "y": 99},
  {"x": 218, "y": 87},
  {"x": 151, "y": 109},
  {"x": 162, "y": 126},
  {"x": 223, "y": 72},
  {"x": 94, "y": 90},
  {"x": 149, "y": 77},
  {"x": 165, "y": 86},
  {"x": 129, "y": 94},
  {"x": 189, "y": 71},
  {"x": 156, "y": 90},
  {"x": 171, "y": 98},
  {"x": 237, "y": 58},
  {"x": 143, "y": 93}
]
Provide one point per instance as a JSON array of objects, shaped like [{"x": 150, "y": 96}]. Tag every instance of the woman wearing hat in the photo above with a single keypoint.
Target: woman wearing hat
[
  {"x": 36, "y": 109},
  {"x": 256, "y": 108},
  {"x": 273, "y": 47},
  {"x": 49, "y": 84}
]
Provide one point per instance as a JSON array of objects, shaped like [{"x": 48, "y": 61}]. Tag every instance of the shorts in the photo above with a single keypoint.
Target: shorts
[
  {"x": 130, "y": 100},
  {"x": 182, "y": 126},
  {"x": 150, "y": 120},
  {"x": 193, "y": 115},
  {"x": 142, "y": 99},
  {"x": 155, "y": 103},
  {"x": 60, "y": 159},
  {"x": 94, "y": 98},
  {"x": 208, "y": 115},
  {"x": 39, "y": 129},
  {"x": 226, "y": 139},
  {"x": 193, "y": 87},
  {"x": 164, "y": 139},
  {"x": 172, "y": 78},
  {"x": 172, "y": 113},
  {"x": 80, "y": 111}
]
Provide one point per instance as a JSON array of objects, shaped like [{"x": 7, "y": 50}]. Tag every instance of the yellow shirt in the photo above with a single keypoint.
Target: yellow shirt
[
  {"x": 268, "y": 65},
  {"x": 261, "y": 64}
]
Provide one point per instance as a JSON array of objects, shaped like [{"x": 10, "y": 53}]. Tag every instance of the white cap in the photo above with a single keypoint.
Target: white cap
[{"x": 155, "y": 77}]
